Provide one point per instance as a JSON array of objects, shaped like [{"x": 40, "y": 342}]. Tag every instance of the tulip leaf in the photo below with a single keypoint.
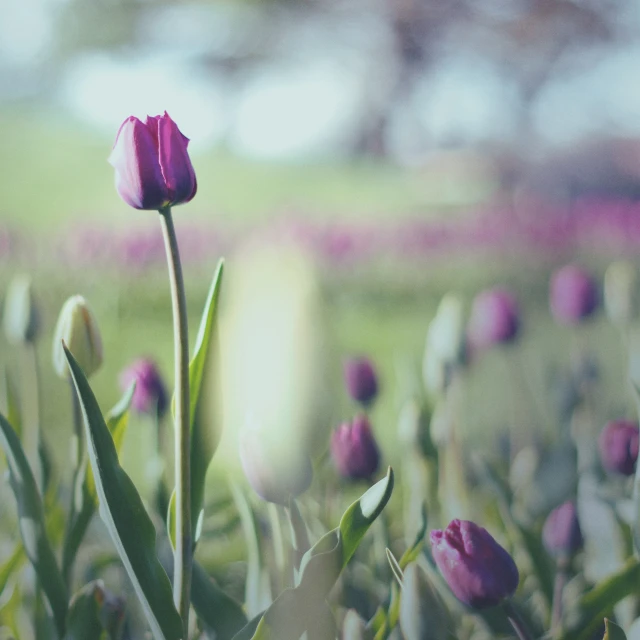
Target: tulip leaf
[
  {"x": 31, "y": 523},
  {"x": 613, "y": 631},
  {"x": 414, "y": 550},
  {"x": 83, "y": 619},
  {"x": 117, "y": 421},
  {"x": 295, "y": 610},
  {"x": 124, "y": 514},
  {"x": 205, "y": 434},
  {"x": 11, "y": 404},
  {"x": 299, "y": 534},
  {"x": 395, "y": 566},
  {"x": 217, "y": 609},
  {"x": 11, "y": 564}
]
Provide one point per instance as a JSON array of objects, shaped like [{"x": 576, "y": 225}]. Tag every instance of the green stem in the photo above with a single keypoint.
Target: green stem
[
  {"x": 562, "y": 575},
  {"x": 30, "y": 387},
  {"x": 183, "y": 557},
  {"x": 516, "y": 621}
]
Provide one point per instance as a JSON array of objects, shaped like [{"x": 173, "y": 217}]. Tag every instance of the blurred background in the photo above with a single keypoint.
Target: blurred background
[{"x": 403, "y": 148}]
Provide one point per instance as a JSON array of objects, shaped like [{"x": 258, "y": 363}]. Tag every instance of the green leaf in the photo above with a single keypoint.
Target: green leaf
[
  {"x": 215, "y": 607},
  {"x": 124, "y": 514},
  {"x": 10, "y": 403},
  {"x": 415, "y": 549},
  {"x": 86, "y": 501},
  {"x": 299, "y": 534},
  {"x": 205, "y": 432},
  {"x": 11, "y": 565},
  {"x": 395, "y": 567},
  {"x": 294, "y": 610},
  {"x": 613, "y": 631},
  {"x": 31, "y": 523},
  {"x": 83, "y": 620}
]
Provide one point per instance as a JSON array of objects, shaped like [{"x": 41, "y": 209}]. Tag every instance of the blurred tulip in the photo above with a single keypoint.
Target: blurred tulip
[
  {"x": 618, "y": 444},
  {"x": 354, "y": 450},
  {"x": 21, "y": 314},
  {"x": 561, "y": 533},
  {"x": 573, "y": 295},
  {"x": 361, "y": 380},
  {"x": 423, "y": 613},
  {"x": 78, "y": 328},
  {"x": 150, "y": 396},
  {"x": 478, "y": 570},
  {"x": 495, "y": 319},
  {"x": 353, "y": 627},
  {"x": 153, "y": 169},
  {"x": 276, "y": 473},
  {"x": 622, "y": 293}
]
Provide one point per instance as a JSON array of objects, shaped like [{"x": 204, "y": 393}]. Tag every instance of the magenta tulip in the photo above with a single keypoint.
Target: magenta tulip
[
  {"x": 153, "y": 169},
  {"x": 361, "y": 380},
  {"x": 573, "y": 295},
  {"x": 477, "y": 569},
  {"x": 495, "y": 319},
  {"x": 561, "y": 532},
  {"x": 150, "y": 396},
  {"x": 618, "y": 444},
  {"x": 354, "y": 450}
]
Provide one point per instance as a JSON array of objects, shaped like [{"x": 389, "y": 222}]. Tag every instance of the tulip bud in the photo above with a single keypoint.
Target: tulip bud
[
  {"x": 353, "y": 626},
  {"x": 150, "y": 395},
  {"x": 618, "y": 445},
  {"x": 361, "y": 380},
  {"x": 21, "y": 316},
  {"x": 622, "y": 293},
  {"x": 153, "y": 169},
  {"x": 354, "y": 450},
  {"x": 276, "y": 472},
  {"x": 495, "y": 319},
  {"x": 78, "y": 329},
  {"x": 573, "y": 295},
  {"x": 561, "y": 532},
  {"x": 477, "y": 569},
  {"x": 423, "y": 614}
]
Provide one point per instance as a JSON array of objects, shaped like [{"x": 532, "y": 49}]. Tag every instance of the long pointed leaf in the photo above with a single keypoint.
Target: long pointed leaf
[
  {"x": 124, "y": 514},
  {"x": 32, "y": 526},
  {"x": 613, "y": 631}
]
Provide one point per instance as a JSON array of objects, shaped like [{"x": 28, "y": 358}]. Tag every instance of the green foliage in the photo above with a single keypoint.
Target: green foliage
[
  {"x": 613, "y": 631},
  {"x": 124, "y": 514},
  {"x": 31, "y": 523}
]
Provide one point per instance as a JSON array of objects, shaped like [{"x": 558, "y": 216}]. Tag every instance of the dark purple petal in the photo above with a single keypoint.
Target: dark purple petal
[
  {"x": 150, "y": 395},
  {"x": 177, "y": 169},
  {"x": 361, "y": 380},
  {"x": 139, "y": 179},
  {"x": 495, "y": 319},
  {"x": 561, "y": 533},
  {"x": 573, "y": 295},
  {"x": 618, "y": 445},
  {"x": 354, "y": 450}
]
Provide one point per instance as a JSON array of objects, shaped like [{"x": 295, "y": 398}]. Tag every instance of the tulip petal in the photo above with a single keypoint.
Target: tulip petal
[
  {"x": 175, "y": 163},
  {"x": 139, "y": 179}
]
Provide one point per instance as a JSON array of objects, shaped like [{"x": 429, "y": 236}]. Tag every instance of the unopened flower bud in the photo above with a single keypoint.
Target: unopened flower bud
[
  {"x": 21, "y": 315},
  {"x": 622, "y": 293},
  {"x": 150, "y": 395},
  {"x": 573, "y": 295},
  {"x": 423, "y": 613},
  {"x": 274, "y": 471},
  {"x": 153, "y": 169},
  {"x": 354, "y": 450},
  {"x": 361, "y": 380},
  {"x": 618, "y": 445},
  {"x": 561, "y": 533},
  {"x": 353, "y": 626},
  {"x": 495, "y": 319},
  {"x": 78, "y": 329},
  {"x": 477, "y": 569}
]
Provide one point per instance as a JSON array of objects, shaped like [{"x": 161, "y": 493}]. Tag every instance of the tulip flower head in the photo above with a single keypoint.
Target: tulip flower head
[
  {"x": 78, "y": 329},
  {"x": 21, "y": 315},
  {"x": 618, "y": 445},
  {"x": 495, "y": 319},
  {"x": 150, "y": 395},
  {"x": 561, "y": 532},
  {"x": 354, "y": 450},
  {"x": 361, "y": 380},
  {"x": 477, "y": 569},
  {"x": 153, "y": 169},
  {"x": 573, "y": 295}
]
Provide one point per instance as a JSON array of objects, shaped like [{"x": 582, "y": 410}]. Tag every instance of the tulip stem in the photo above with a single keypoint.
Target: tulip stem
[
  {"x": 182, "y": 560},
  {"x": 558, "y": 590},
  {"x": 516, "y": 621}
]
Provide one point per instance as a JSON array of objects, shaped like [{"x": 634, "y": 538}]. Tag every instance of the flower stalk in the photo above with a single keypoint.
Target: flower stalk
[{"x": 182, "y": 565}]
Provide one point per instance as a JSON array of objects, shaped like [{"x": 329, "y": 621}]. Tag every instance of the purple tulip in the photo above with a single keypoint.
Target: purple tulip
[
  {"x": 361, "y": 380},
  {"x": 354, "y": 450},
  {"x": 573, "y": 295},
  {"x": 477, "y": 569},
  {"x": 150, "y": 395},
  {"x": 275, "y": 476},
  {"x": 561, "y": 532},
  {"x": 153, "y": 169},
  {"x": 618, "y": 444},
  {"x": 495, "y": 319}
]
